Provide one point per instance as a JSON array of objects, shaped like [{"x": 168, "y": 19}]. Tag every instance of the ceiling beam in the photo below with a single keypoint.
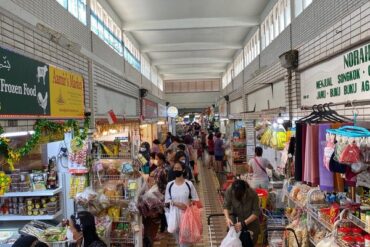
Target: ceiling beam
[
  {"x": 190, "y": 46},
  {"x": 190, "y": 23},
  {"x": 191, "y": 70},
  {"x": 199, "y": 76},
  {"x": 192, "y": 60}
]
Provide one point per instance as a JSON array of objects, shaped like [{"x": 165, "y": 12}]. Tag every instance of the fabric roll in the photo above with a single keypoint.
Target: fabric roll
[
  {"x": 307, "y": 156},
  {"x": 326, "y": 177},
  {"x": 314, "y": 165},
  {"x": 311, "y": 165},
  {"x": 298, "y": 152},
  {"x": 304, "y": 135}
]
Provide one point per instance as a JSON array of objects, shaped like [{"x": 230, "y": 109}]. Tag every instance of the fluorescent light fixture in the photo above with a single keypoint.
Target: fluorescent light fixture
[
  {"x": 224, "y": 119},
  {"x": 160, "y": 123},
  {"x": 143, "y": 126},
  {"x": 19, "y": 133}
]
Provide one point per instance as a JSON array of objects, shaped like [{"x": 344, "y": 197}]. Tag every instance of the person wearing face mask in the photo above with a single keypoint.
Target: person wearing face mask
[
  {"x": 243, "y": 203},
  {"x": 180, "y": 157},
  {"x": 82, "y": 231},
  {"x": 144, "y": 150},
  {"x": 179, "y": 194},
  {"x": 160, "y": 177}
]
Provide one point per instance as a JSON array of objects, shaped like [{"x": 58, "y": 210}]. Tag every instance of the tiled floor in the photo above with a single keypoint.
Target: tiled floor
[{"x": 207, "y": 190}]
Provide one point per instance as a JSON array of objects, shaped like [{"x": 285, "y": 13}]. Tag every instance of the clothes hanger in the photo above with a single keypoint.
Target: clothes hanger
[
  {"x": 334, "y": 113},
  {"x": 312, "y": 115}
]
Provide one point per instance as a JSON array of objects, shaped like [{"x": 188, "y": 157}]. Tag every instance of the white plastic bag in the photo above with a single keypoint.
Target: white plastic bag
[
  {"x": 173, "y": 219},
  {"x": 231, "y": 239},
  {"x": 327, "y": 242}
]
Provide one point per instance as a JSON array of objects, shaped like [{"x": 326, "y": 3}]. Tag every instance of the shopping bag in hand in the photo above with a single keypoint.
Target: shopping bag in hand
[
  {"x": 231, "y": 239},
  {"x": 191, "y": 226},
  {"x": 173, "y": 219}
]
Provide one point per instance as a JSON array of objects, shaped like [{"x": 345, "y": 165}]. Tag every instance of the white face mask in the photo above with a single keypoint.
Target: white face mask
[{"x": 69, "y": 236}]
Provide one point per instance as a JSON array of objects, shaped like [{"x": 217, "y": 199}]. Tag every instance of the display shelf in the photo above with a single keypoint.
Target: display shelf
[
  {"x": 359, "y": 223},
  {"x": 363, "y": 184},
  {"x": 27, "y": 217},
  {"x": 315, "y": 216},
  {"x": 312, "y": 241},
  {"x": 299, "y": 204},
  {"x": 33, "y": 193}
]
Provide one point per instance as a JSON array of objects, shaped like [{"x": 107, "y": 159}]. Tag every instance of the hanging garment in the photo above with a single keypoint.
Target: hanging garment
[
  {"x": 304, "y": 136},
  {"x": 326, "y": 177},
  {"x": 338, "y": 180},
  {"x": 298, "y": 152},
  {"x": 311, "y": 165}
]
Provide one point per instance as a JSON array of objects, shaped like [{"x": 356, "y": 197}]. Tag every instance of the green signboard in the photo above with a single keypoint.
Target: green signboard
[{"x": 24, "y": 86}]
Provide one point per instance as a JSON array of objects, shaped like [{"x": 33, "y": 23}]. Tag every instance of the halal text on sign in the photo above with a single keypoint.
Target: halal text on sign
[
  {"x": 24, "y": 86},
  {"x": 30, "y": 89},
  {"x": 343, "y": 78}
]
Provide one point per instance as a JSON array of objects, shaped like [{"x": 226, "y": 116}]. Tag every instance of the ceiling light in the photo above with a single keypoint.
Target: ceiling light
[{"x": 19, "y": 133}]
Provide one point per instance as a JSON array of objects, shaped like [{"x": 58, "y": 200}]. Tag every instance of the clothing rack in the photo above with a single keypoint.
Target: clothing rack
[{"x": 348, "y": 103}]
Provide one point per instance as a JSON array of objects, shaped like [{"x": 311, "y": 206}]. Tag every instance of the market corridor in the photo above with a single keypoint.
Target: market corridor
[{"x": 207, "y": 191}]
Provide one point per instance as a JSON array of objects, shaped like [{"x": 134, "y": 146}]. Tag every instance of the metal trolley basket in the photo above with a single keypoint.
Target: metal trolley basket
[{"x": 275, "y": 222}]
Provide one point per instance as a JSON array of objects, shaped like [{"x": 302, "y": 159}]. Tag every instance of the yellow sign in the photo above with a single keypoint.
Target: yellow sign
[{"x": 66, "y": 93}]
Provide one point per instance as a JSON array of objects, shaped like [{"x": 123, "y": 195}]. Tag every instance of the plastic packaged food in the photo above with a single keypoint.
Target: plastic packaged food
[{"x": 348, "y": 240}]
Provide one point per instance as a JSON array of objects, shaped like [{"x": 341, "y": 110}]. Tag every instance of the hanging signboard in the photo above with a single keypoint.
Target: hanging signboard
[
  {"x": 24, "y": 86},
  {"x": 66, "y": 93},
  {"x": 150, "y": 109},
  {"x": 162, "y": 111},
  {"x": 31, "y": 89},
  {"x": 343, "y": 78}
]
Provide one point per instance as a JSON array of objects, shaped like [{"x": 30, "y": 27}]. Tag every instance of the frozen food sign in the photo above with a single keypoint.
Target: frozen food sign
[
  {"x": 343, "y": 78},
  {"x": 24, "y": 86},
  {"x": 32, "y": 89}
]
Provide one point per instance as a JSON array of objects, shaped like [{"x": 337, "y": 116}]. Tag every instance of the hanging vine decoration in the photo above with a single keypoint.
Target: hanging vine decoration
[{"x": 13, "y": 155}]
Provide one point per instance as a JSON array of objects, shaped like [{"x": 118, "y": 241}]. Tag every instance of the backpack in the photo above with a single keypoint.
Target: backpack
[{"x": 187, "y": 184}]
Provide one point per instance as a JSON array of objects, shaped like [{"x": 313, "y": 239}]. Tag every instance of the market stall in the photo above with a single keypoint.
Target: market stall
[{"x": 37, "y": 156}]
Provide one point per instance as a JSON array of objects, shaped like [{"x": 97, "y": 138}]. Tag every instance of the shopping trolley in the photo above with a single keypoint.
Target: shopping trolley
[
  {"x": 275, "y": 227},
  {"x": 282, "y": 230}
]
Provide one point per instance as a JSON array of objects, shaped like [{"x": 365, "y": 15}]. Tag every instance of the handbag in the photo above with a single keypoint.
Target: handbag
[
  {"x": 246, "y": 238},
  {"x": 260, "y": 166}
]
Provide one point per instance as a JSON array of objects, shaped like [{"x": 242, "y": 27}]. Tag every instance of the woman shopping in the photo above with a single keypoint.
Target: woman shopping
[
  {"x": 82, "y": 231},
  {"x": 257, "y": 169},
  {"x": 179, "y": 195},
  {"x": 242, "y": 203}
]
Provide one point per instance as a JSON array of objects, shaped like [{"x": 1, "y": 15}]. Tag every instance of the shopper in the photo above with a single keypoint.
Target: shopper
[
  {"x": 219, "y": 153},
  {"x": 241, "y": 209},
  {"x": 211, "y": 151},
  {"x": 144, "y": 150},
  {"x": 155, "y": 146},
  {"x": 168, "y": 140},
  {"x": 28, "y": 241},
  {"x": 175, "y": 143},
  {"x": 153, "y": 162},
  {"x": 179, "y": 194},
  {"x": 82, "y": 231},
  {"x": 257, "y": 169},
  {"x": 160, "y": 177},
  {"x": 180, "y": 157}
]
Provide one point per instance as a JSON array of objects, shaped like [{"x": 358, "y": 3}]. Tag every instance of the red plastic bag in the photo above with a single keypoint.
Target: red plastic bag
[
  {"x": 196, "y": 171},
  {"x": 191, "y": 226}
]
